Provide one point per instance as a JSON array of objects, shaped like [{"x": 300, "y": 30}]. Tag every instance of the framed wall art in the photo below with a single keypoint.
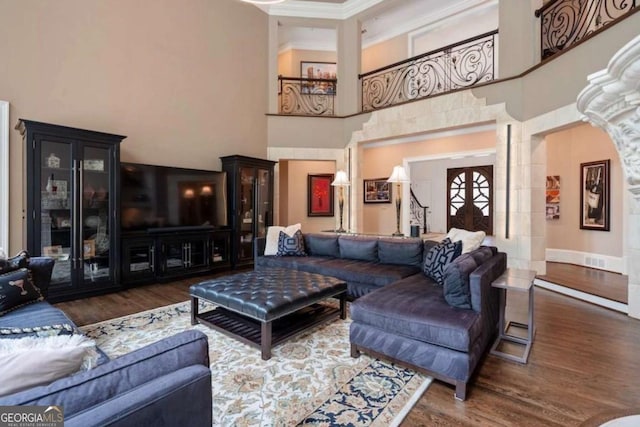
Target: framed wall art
[
  {"x": 594, "y": 195},
  {"x": 553, "y": 197},
  {"x": 318, "y": 70},
  {"x": 320, "y": 195},
  {"x": 377, "y": 190}
]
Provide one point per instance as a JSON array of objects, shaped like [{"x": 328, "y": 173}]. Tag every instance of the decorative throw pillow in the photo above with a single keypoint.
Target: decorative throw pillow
[
  {"x": 438, "y": 257},
  {"x": 471, "y": 240},
  {"x": 273, "y": 237},
  {"x": 11, "y": 264},
  {"x": 32, "y": 361},
  {"x": 456, "y": 289},
  {"x": 17, "y": 289},
  {"x": 291, "y": 245}
]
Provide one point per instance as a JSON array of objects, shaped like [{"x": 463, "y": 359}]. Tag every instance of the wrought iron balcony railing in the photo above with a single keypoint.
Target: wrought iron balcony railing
[
  {"x": 566, "y": 22},
  {"x": 307, "y": 97},
  {"x": 456, "y": 66},
  {"x": 418, "y": 213}
]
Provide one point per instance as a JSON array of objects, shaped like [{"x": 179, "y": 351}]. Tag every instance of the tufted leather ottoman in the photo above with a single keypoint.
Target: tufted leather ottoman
[{"x": 266, "y": 307}]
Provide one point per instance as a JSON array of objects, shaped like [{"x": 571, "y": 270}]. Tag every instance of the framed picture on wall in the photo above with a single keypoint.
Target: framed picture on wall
[
  {"x": 317, "y": 73},
  {"x": 553, "y": 197},
  {"x": 594, "y": 195},
  {"x": 377, "y": 190},
  {"x": 320, "y": 195}
]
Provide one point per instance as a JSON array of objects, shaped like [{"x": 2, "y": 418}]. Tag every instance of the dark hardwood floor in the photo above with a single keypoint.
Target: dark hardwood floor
[
  {"x": 583, "y": 363},
  {"x": 612, "y": 286}
]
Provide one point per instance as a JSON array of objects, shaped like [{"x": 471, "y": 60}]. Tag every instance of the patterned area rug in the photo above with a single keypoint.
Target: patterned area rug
[{"x": 311, "y": 380}]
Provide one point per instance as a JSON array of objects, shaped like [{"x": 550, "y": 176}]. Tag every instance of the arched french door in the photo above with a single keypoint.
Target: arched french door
[{"x": 470, "y": 198}]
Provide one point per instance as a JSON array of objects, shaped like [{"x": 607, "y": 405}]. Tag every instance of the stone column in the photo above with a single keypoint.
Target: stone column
[{"x": 611, "y": 101}]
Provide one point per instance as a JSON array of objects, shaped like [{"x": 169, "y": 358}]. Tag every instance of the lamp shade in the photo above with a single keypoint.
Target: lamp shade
[
  {"x": 398, "y": 175},
  {"x": 341, "y": 180}
]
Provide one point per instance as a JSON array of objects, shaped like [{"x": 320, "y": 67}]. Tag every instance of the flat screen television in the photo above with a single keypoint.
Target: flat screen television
[{"x": 156, "y": 197}]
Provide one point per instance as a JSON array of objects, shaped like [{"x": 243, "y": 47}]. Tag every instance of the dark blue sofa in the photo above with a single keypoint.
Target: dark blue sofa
[
  {"x": 397, "y": 311},
  {"x": 167, "y": 383}
]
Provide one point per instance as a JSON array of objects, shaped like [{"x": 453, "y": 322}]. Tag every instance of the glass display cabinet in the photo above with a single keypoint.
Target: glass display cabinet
[
  {"x": 71, "y": 186},
  {"x": 250, "y": 190}
]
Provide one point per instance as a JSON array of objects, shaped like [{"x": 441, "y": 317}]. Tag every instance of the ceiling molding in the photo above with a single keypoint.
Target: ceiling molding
[{"x": 312, "y": 9}]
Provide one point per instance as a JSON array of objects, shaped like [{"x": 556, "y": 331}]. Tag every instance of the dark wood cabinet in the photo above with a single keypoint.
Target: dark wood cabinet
[
  {"x": 162, "y": 255},
  {"x": 250, "y": 203},
  {"x": 72, "y": 213}
]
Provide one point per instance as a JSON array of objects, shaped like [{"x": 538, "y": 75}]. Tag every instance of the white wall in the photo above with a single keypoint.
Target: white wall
[{"x": 453, "y": 30}]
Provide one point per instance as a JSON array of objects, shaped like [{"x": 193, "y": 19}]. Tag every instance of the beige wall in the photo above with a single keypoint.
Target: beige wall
[
  {"x": 378, "y": 162},
  {"x": 295, "y": 210},
  {"x": 289, "y": 60},
  {"x": 566, "y": 149},
  {"x": 384, "y": 53},
  {"x": 185, "y": 84}
]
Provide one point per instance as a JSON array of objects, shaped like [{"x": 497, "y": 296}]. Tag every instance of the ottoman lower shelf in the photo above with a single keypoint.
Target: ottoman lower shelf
[{"x": 266, "y": 335}]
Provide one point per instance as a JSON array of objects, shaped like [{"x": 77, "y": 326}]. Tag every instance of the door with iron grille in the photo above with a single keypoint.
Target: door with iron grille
[{"x": 470, "y": 198}]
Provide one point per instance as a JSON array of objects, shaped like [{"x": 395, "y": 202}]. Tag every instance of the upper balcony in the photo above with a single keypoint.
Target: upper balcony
[{"x": 559, "y": 24}]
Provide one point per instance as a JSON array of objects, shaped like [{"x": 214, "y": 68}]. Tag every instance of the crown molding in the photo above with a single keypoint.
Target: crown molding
[{"x": 311, "y": 9}]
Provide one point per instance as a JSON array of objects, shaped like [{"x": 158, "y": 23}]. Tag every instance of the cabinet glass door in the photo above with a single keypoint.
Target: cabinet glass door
[
  {"x": 197, "y": 252},
  {"x": 56, "y": 219},
  {"x": 264, "y": 197},
  {"x": 175, "y": 254},
  {"x": 94, "y": 220},
  {"x": 247, "y": 180}
]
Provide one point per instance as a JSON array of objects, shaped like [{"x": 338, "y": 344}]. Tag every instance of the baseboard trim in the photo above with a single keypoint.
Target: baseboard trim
[
  {"x": 603, "y": 302},
  {"x": 586, "y": 259}
]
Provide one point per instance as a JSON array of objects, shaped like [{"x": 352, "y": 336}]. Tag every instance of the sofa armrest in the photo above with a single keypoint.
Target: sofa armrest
[
  {"x": 87, "y": 389},
  {"x": 180, "y": 398},
  {"x": 484, "y": 297},
  {"x": 41, "y": 269},
  {"x": 258, "y": 246}
]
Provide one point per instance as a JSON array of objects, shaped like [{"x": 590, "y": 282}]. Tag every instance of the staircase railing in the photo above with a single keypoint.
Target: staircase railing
[
  {"x": 566, "y": 22},
  {"x": 418, "y": 213},
  {"x": 307, "y": 97},
  {"x": 455, "y": 66}
]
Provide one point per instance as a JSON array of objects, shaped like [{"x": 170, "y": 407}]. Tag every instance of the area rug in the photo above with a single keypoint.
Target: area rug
[{"x": 311, "y": 380}]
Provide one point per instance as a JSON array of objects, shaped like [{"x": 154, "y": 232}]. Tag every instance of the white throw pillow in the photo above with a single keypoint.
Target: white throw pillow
[
  {"x": 471, "y": 240},
  {"x": 273, "y": 235},
  {"x": 32, "y": 361}
]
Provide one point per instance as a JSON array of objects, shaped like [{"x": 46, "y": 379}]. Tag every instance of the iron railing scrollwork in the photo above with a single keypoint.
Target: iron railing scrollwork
[
  {"x": 307, "y": 97},
  {"x": 418, "y": 213},
  {"x": 456, "y": 66},
  {"x": 566, "y": 22}
]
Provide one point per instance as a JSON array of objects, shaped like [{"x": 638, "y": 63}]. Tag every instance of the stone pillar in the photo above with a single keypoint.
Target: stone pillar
[{"x": 611, "y": 101}]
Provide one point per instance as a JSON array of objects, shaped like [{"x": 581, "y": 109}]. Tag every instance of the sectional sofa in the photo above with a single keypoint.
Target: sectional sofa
[
  {"x": 167, "y": 383},
  {"x": 400, "y": 313}
]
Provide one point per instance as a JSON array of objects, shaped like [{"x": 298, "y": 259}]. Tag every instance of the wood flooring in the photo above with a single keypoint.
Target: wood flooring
[
  {"x": 584, "y": 363},
  {"x": 612, "y": 286}
]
